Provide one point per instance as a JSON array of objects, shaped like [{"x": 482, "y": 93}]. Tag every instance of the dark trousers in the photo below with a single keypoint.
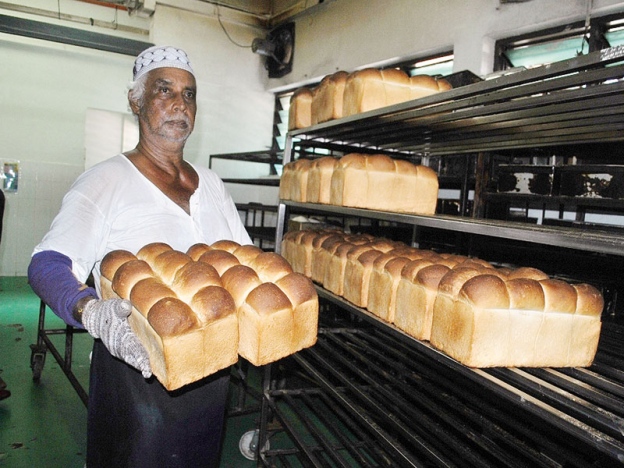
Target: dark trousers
[{"x": 133, "y": 422}]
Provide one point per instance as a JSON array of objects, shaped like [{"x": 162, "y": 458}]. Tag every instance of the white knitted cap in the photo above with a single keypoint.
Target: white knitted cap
[{"x": 159, "y": 57}]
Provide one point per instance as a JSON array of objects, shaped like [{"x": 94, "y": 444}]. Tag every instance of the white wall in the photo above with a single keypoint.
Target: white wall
[
  {"x": 46, "y": 91},
  {"x": 351, "y": 34},
  {"x": 47, "y": 88}
]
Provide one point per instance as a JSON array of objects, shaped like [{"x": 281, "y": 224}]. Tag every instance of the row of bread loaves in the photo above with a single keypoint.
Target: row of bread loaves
[
  {"x": 376, "y": 182},
  {"x": 481, "y": 315},
  {"x": 196, "y": 312},
  {"x": 343, "y": 94}
]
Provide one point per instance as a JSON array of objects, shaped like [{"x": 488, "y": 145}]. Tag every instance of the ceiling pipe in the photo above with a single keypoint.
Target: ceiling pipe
[
  {"x": 72, "y": 18},
  {"x": 116, "y": 6}
]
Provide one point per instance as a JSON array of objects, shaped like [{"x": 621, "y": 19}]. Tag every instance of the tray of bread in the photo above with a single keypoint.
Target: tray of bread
[
  {"x": 476, "y": 313},
  {"x": 197, "y": 311}
]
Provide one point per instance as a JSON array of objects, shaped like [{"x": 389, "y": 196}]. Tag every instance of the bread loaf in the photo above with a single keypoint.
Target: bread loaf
[
  {"x": 334, "y": 273},
  {"x": 379, "y": 182},
  {"x": 349, "y": 184},
  {"x": 319, "y": 180},
  {"x": 396, "y": 85},
  {"x": 267, "y": 325},
  {"x": 416, "y": 292},
  {"x": 494, "y": 321},
  {"x": 184, "y": 342},
  {"x": 358, "y": 270},
  {"x": 300, "y": 109},
  {"x": 384, "y": 280},
  {"x": 187, "y": 306},
  {"x": 323, "y": 251},
  {"x": 304, "y": 300},
  {"x": 327, "y": 98},
  {"x": 364, "y": 91},
  {"x": 294, "y": 180},
  {"x": 342, "y": 94},
  {"x": 424, "y": 85},
  {"x": 370, "y": 89}
]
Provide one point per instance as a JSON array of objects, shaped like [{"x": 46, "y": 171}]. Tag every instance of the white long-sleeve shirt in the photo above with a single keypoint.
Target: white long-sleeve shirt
[{"x": 113, "y": 206}]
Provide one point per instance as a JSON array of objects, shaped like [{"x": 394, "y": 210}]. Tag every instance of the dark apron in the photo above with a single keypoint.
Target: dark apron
[{"x": 133, "y": 422}]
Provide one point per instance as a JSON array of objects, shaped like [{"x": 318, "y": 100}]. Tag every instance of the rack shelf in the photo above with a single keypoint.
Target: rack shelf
[
  {"x": 575, "y": 102},
  {"x": 592, "y": 241},
  {"x": 569, "y": 102}
]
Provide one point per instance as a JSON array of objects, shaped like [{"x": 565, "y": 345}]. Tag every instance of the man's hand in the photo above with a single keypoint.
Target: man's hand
[{"x": 108, "y": 321}]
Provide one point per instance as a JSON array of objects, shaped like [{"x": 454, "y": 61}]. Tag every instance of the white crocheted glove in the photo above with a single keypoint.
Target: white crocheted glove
[{"x": 108, "y": 321}]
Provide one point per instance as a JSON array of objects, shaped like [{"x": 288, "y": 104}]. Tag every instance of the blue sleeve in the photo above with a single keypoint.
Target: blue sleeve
[{"x": 51, "y": 278}]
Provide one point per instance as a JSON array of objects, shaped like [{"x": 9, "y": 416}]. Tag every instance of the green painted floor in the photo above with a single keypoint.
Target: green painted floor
[{"x": 43, "y": 423}]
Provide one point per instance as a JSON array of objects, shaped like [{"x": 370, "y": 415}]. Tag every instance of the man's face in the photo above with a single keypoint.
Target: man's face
[{"x": 169, "y": 105}]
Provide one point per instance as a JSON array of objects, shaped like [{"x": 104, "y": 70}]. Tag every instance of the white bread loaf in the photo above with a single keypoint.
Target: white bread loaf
[
  {"x": 376, "y": 182},
  {"x": 184, "y": 340},
  {"x": 267, "y": 325},
  {"x": 327, "y": 98},
  {"x": 304, "y": 300},
  {"x": 424, "y": 85},
  {"x": 276, "y": 316},
  {"x": 370, "y": 89},
  {"x": 364, "y": 91},
  {"x": 185, "y": 306},
  {"x": 384, "y": 280},
  {"x": 323, "y": 247},
  {"x": 319, "y": 179},
  {"x": 305, "y": 250},
  {"x": 300, "y": 109},
  {"x": 524, "y": 322},
  {"x": 382, "y": 183},
  {"x": 359, "y": 267},
  {"x": 294, "y": 180},
  {"x": 415, "y": 295},
  {"x": 418, "y": 289},
  {"x": 333, "y": 278},
  {"x": 287, "y": 181},
  {"x": 301, "y": 246},
  {"x": 396, "y": 86},
  {"x": 291, "y": 241}
]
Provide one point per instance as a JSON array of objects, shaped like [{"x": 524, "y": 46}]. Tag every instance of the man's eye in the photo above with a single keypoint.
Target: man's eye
[
  {"x": 163, "y": 90},
  {"x": 190, "y": 95}
]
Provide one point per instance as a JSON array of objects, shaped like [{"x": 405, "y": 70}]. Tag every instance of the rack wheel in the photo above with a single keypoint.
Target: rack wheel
[
  {"x": 248, "y": 444},
  {"x": 37, "y": 360}
]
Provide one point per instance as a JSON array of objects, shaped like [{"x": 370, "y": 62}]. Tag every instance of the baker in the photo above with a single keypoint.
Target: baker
[{"x": 149, "y": 194}]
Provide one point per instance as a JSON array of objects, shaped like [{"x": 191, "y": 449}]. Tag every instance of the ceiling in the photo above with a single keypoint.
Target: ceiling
[{"x": 265, "y": 13}]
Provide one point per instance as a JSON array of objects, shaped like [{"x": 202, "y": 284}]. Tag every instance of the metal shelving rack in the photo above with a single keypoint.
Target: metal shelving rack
[{"x": 367, "y": 381}]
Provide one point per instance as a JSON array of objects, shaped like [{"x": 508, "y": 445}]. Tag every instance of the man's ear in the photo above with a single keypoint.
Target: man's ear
[{"x": 134, "y": 105}]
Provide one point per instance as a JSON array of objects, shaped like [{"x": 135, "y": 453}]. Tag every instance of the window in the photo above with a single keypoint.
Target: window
[
  {"x": 440, "y": 65},
  {"x": 562, "y": 43}
]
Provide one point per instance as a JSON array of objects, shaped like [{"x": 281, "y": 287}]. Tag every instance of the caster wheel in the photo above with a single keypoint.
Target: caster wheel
[
  {"x": 37, "y": 360},
  {"x": 248, "y": 444}
]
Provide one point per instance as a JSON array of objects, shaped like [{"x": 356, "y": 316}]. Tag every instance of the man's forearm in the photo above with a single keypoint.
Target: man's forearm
[{"x": 51, "y": 278}]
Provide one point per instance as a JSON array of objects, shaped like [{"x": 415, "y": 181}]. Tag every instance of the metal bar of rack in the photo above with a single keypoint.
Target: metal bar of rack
[{"x": 593, "y": 241}]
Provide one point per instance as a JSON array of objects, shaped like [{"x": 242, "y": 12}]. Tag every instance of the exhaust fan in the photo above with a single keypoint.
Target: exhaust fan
[{"x": 278, "y": 48}]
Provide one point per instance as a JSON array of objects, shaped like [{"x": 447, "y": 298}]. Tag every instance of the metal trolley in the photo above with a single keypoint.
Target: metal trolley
[{"x": 45, "y": 344}]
